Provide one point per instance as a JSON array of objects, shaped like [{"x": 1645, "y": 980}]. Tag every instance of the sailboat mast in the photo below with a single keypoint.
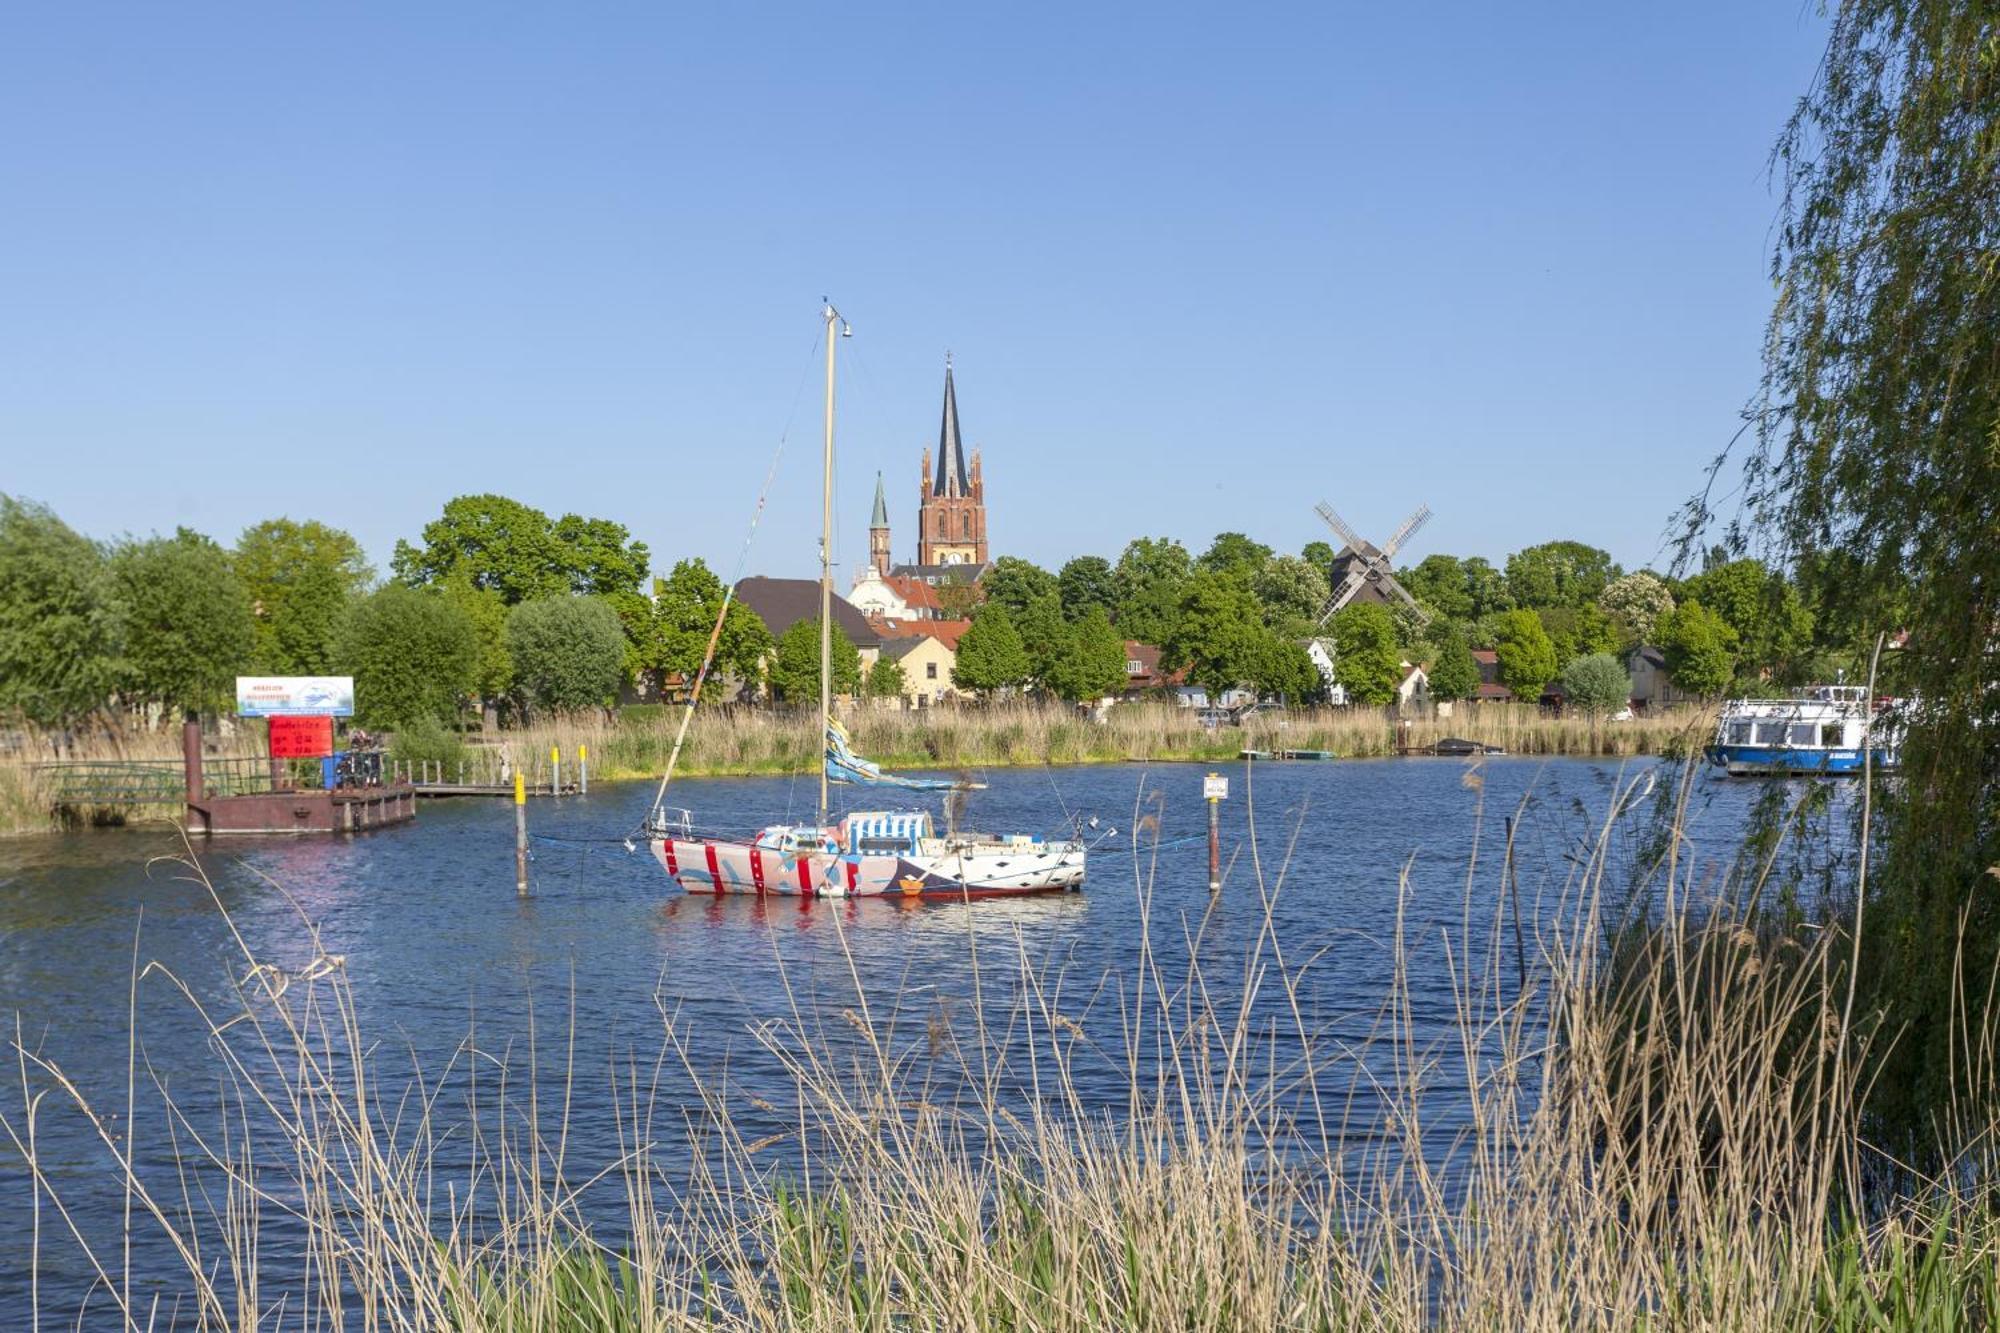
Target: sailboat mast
[{"x": 826, "y": 563}]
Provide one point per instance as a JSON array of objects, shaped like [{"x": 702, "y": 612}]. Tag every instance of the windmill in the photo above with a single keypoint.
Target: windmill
[{"x": 1363, "y": 566}]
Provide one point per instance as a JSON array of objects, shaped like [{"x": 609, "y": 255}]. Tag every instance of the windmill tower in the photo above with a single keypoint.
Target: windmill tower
[{"x": 1362, "y": 569}]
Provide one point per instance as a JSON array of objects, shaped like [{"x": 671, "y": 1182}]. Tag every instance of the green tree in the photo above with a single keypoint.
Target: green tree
[
  {"x": 1149, "y": 577},
  {"x": 300, "y": 578},
  {"x": 1320, "y": 555},
  {"x": 1700, "y": 649},
  {"x": 1283, "y": 669},
  {"x": 413, "y": 654},
  {"x": 1234, "y": 553},
  {"x": 568, "y": 652},
  {"x": 1293, "y": 593},
  {"x": 1017, "y": 584},
  {"x": 1440, "y": 583},
  {"x": 1634, "y": 604},
  {"x": 1218, "y": 635},
  {"x": 1877, "y": 443},
  {"x": 1560, "y": 573},
  {"x": 1366, "y": 661},
  {"x": 684, "y": 610},
  {"x": 795, "y": 663},
  {"x": 1487, "y": 587},
  {"x": 1774, "y": 628},
  {"x": 957, "y": 596},
  {"x": 487, "y": 613},
  {"x": 520, "y": 553},
  {"x": 1577, "y": 631},
  {"x": 990, "y": 654},
  {"x": 1046, "y": 636},
  {"x": 1527, "y": 657},
  {"x": 188, "y": 628},
  {"x": 1596, "y": 684},
  {"x": 1094, "y": 667},
  {"x": 885, "y": 679},
  {"x": 1086, "y": 582},
  {"x": 59, "y": 632},
  {"x": 1453, "y": 672}
]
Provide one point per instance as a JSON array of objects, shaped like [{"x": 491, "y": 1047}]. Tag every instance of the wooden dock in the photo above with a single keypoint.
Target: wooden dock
[{"x": 486, "y": 789}]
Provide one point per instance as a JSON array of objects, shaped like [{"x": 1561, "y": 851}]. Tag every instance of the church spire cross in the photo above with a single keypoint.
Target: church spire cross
[{"x": 950, "y": 478}]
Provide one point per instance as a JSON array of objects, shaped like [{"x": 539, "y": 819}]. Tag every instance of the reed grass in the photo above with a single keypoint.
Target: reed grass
[{"x": 1700, "y": 1168}]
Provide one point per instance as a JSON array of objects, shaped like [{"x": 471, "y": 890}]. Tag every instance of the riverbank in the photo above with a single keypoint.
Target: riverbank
[{"x": 747, "y": 742}]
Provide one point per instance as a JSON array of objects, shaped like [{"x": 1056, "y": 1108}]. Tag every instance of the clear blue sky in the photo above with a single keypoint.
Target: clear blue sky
[{"x": 1199, "y": 268}]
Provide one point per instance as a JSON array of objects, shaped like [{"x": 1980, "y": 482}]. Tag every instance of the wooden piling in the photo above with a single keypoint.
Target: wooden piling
[{"x": 520, "y": 835}]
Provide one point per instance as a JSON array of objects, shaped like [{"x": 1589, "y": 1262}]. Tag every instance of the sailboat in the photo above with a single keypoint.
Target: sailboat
[{"x": 863, "y": 853}]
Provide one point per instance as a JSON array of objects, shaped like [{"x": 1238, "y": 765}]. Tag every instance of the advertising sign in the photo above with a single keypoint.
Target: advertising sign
[
  {"x": 294, "y": 696},
  {"x": 296, "y": 737}
]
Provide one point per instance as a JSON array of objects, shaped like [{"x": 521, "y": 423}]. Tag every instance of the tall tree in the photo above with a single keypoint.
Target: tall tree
[
  {"x": 413, "y": 654},
  {"x": 1234, "y": 553},
  {"x": 1562, "y": 573},
  {"x": 1366, "y": 661},
  {"x": 1527, "y": 658},
  {"x": 685, "y": 606},
  {"x": 568, "y": 652},
  {"x": 1293, "y": 593},
  {"x": 1453, "y": 672},
  {"x": 990, "y": 654},
  {"x": 1046, "y": 636},
  {"x": 520, "y": 553},
  {"x": 794, "y": 673},
  {"x": 1577, "y": 631},
  {"x": 487, "y": 614},
  {"x": 1149, "y": 576},
  {"x": 1774, "y": 627},
  {"x": 1086, "y": 582},
  {"x": 1016, "y": 584},
  {"x": 1094, "y": 667},
  {"x": 1877, "y": 441},
  {"x": 885, "y": 679},
  {"x": 188, "y": 629},
  {"x": 1440, "y": 583},
  {"x": 301, "y": 577},
  {"x": 1700, "y": 649},
  {"x": 1218, "y": 635},
  {"x": 59, "y": 632},
  {"x": 1635, "y": 604}
]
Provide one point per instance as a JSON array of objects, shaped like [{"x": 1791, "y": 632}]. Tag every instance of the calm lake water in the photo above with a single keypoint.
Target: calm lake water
[{"x": 436, "y": 943}]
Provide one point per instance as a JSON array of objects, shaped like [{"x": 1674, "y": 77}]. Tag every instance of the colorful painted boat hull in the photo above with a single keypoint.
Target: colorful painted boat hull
[{"x": 718, "y": 866}]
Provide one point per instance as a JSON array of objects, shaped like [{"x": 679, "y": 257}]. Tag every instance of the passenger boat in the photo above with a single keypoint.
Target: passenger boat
[
  {"x": 893, "y": 852},
  {"x": 1827, "y": 729}
]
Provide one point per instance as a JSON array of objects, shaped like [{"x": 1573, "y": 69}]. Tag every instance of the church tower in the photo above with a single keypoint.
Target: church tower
[
  {"x": 951, "y": 516},
  {"x": 878, "y": 531}
]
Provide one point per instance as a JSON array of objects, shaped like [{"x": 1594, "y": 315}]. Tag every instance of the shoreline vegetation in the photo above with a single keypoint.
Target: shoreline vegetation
[
  {"x": 755, "y": 742},
  {"x": 1673, "y": 1138}
]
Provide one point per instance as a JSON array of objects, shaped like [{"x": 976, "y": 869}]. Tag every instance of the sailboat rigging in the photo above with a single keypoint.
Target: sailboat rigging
[{"x": 863, "y": 853}]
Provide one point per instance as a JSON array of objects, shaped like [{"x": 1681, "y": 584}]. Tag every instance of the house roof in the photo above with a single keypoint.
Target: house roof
[
  {"x": 1149, "y": 675},
  {"x": 935, "y": 574},
  {"x": 782, "y": 603},
  {"x": 900, "y": 648},
  {"x": 916, "y": 594},
  {"x": 946, "y": 632}
]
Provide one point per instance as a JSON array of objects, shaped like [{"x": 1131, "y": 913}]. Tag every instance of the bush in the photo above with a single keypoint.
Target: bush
[
  {"x": 413, "y": 656},
  {"x": 427, "y": 741},
  {"x": 569, "y": 652}
]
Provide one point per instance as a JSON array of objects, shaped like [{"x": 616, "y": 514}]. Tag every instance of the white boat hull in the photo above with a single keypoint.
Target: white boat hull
[{"x": 721, "y": 866}]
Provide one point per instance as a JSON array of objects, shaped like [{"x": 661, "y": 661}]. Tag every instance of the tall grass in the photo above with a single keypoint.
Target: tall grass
[{"x": 1676, "y": 1145}]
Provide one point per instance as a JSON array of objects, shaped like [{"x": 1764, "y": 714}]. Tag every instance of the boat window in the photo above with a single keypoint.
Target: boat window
[
  {"x": 1739, "y": 733},
  {"x": 1770, "y": 733},
  {"x": 1832, "y": 734},
  {"x": 1804, "y": 734}
]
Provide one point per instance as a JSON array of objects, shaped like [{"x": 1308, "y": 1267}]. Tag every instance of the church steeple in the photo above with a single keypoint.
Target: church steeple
[
  {"x": 950, "y": 479},
  {"x": 878, "y": 532}
]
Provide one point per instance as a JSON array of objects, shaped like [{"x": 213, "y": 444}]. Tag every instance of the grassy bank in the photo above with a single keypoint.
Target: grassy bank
[
  {"x": 747, "y": 741},
  {"x": 1605, "y": 1177}
]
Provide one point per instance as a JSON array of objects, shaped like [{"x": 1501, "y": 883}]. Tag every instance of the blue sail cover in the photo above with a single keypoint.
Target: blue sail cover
[{"x": 843, "y": 765}]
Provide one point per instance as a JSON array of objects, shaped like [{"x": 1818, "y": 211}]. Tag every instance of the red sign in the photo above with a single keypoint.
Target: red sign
[{"x": 301, "y": 737}]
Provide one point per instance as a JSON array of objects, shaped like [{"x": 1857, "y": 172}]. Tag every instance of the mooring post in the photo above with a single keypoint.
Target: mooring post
[
  {"x": 555, "y": 770},
  {"x": 520, "y": 834},
  {"x": 197, "y": 793},
  {"x": 582, "y": 769},
  {"x": 1214, "y": 787}
]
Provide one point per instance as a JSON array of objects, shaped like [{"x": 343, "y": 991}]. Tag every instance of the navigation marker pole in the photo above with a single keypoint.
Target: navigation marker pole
[
  {"x": 520, "y": 834},
  {"x": 582, "y": 769},
  {"x": 1215, "y": 787}
]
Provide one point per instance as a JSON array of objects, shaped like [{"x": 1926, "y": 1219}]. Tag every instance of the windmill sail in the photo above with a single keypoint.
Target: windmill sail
[{"x": 843, "y": 765}]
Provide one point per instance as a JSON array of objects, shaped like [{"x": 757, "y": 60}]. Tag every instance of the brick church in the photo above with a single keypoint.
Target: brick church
[{"x": 951, "y": 525}]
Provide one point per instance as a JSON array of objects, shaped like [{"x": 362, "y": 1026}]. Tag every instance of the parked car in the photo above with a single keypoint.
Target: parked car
[
  {"x": 1258, "y": 712},
  {"x": 1214, "y": 717}
]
